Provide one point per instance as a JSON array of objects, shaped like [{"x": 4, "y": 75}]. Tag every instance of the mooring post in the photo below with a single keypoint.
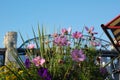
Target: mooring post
[{"x": 10, "y": 42}]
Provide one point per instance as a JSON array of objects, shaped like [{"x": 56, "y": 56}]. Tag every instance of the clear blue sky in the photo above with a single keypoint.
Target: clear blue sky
[{"x": 22, "y": 15}]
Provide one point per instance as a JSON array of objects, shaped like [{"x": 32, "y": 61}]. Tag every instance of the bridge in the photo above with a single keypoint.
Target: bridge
[{"x": 104, "y": 48}]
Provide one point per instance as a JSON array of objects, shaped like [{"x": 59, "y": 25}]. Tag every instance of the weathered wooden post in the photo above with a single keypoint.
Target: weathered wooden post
[{"x": 10, "y": 42}]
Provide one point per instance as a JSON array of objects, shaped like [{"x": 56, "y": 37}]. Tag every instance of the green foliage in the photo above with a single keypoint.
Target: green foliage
[{"x": 58, "y": 57}]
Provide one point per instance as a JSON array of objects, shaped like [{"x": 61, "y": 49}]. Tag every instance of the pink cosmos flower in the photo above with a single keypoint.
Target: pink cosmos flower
[
  {"x": 90, "y": 30},
  {"x": 68, "y": 43},
  {"x": 31, "y": 46},
  {"x": 77, "y": 35},
  {"x": 38, "y": 61},
  {"x": 69, "y": 29},
  {"x": 61, "y": 41},
  {"x": 55, "y": 35},
  {"x": 77, "y": 55},
  {"x": 66, "y": 31}
]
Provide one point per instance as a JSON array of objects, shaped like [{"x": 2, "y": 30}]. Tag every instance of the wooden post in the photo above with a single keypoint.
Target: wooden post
[{"x": 10, "y": 42}]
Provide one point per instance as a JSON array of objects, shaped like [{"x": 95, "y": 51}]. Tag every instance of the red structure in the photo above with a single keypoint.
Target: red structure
[{"x": 112, "y": 30}]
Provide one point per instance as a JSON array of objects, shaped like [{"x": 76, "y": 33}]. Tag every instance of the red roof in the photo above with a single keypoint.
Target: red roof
[{"x": 113, "y": 20}]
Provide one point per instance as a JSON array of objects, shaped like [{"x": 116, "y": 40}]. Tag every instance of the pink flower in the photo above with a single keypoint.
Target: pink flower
[
  {"x": 78, "y": 55},
  {"x": 66, "y": 31},
  {"x": 55, "y": 35},
  {"x": 77, "y": 35},
  {"x": 61, "y": 41},
  {"x": 31, "y": 46},
  {"x": 68, "y": 43},
  {"x": 69, "y": 29},
  {"x": 90, "y": 30},
  {"x": 38, "y": 61}
]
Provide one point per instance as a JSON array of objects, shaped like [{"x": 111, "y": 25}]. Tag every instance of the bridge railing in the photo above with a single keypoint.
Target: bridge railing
[
  {"x": 10, "y": 41},
  {"x": 21, "y": 52}
]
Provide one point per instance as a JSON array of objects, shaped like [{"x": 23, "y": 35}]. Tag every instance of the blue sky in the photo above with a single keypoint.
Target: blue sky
[{"x": 22, "y": 15}]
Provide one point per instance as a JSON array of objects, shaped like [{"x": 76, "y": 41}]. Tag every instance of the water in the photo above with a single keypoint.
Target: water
[{"x": 2, "y": 59}]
